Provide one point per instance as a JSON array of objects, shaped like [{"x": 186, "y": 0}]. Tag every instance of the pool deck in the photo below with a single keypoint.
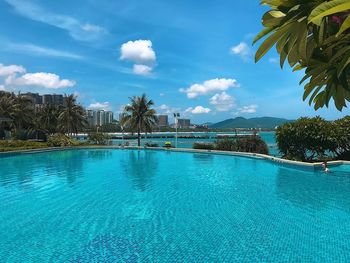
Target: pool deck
[{"x": 280, "y": 161}]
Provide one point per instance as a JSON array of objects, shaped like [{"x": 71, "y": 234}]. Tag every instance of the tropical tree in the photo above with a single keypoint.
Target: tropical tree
[
  {"x": 19, "y": 109},
  {"x": 47, "y": 116},
  {"x": 138, "y": 116},
  {"x": 307, "y": 139},
  {"x": 72, "y": 117},
  {"x": 312, "y": 35},
  {"x": 7, "y": 105},
  {"x": 23, "y": 113}
]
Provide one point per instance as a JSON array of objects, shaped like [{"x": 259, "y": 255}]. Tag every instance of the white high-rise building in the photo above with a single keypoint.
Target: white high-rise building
[{"x": 99, "y": 118}]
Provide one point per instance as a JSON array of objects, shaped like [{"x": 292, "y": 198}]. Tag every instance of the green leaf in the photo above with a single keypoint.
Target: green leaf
[
  {"x": 307, "y": 90},
  {"x": 293, "y": 56},
  {"x": 303, "y": 42},
  {"x": 283, "y": 56},
  {"x": 343, "y": 64},
  {"x": 270, "y": 41},
  {"x": 298, "y": 67},
  {"x": 339, "y": 100},
  {"x": 328, "y": 8},
  {"x": 344, "y": 26},
  {"x": 319, "y": 101},
  {"x": 314, "y": 94},
  {"x": 262, "y": 34},
  {"x": 272, "y": 18}
]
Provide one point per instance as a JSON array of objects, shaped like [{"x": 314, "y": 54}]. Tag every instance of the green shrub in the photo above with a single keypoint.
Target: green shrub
[
  {"x": 149, "y": 144},
  {"x": 310, "y": 139},
  {"x": 61, "y": 140},
  {"x": 225, "y": 144},
  {"x": 13, "y": 145},
  {"x": 98, "y": 138},
  {"x": 203, "y": 146},
  {"x": 253, "y": 144},
  {"x": 342, "y": 138}
]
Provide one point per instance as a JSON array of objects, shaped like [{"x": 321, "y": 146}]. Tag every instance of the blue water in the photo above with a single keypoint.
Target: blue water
[
  {"x": 158, "y": 206},
  {"x": 268, "y": 137}
]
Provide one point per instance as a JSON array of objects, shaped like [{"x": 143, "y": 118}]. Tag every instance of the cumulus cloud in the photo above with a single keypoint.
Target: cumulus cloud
[
  {"x": 11, "y": 70},
  {"x": 142, "y": 69},
  {"x": 141, "y": 53},
  {"x": 100, "y": 106},
  {"x": 40, "y": 79},
  {"x": 243, "y": 51},
  {"x": 15, "y": 75},
  {"x": 2, "y": 87},
  {"x": 209, "y": 87},
  {"x": 248, "y": 109},
  {"x": 165, "y": 109},
  {"x": 76, "y": 29},
  {"x": 198, "y": 110},
  {"x": 222, "y": 101}
]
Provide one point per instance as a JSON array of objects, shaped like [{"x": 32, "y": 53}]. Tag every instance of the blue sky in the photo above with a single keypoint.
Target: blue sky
[{"x": 193, "y": 57}]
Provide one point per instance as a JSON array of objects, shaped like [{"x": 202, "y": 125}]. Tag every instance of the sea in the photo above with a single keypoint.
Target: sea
[{"x": 268, "y": 137}]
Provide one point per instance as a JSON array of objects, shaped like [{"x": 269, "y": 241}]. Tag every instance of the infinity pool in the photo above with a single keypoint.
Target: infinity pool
[{"x": 159, "y": 206}]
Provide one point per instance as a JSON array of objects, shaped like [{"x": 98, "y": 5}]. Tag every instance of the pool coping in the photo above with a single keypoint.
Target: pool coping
[{"x": 295, "y": 164}]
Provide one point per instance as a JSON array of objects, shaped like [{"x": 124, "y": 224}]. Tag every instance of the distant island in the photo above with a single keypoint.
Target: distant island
[{"x": 241, "y": 122}]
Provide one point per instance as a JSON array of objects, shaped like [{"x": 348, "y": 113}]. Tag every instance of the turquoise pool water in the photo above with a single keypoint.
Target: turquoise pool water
[{"x": 158, "y": 206}]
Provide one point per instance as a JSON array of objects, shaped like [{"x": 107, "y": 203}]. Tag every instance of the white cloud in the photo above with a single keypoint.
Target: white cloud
[
  {"x": 139, "y": 51},
  {"x": 76, "y": 29},
  {"x": 161, "y": 94},
  {"x": 165, "y": 109},
  {"x": 40, "y": 79},
  {"x": 2, "y": 87},
  {"x": 100, "y": 106},
  {"x": 93, "y": 28},
  {"x": 222, "y": 101},
  {"x": 242, "y": 50},
  {"x": 198, "y": 110},
  {"x": 142, "y": 69},
  {"x": 209, "y": 87},
  {"x": 31, "y": 49},
  {"x": 248, "y": 109},
  {"x": 274, "y": 60},
  {"x": 11, "y": 70}
]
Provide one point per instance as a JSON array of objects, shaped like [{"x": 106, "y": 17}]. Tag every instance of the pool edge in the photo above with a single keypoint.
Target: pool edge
[{"x": 296, "y": 164}]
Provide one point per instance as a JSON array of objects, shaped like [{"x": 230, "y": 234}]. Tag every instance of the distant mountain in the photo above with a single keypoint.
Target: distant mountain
[{"x": 240, "y": 122}]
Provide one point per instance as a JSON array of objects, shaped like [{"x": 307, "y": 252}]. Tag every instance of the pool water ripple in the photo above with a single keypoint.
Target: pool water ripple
[{"x": 158, "y": 206}]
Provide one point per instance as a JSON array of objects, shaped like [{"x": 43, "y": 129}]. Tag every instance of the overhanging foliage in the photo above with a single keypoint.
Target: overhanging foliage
[{"x": 312, "y": 35}]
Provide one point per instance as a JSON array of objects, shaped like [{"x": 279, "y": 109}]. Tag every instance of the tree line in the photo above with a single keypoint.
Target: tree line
[
  {"x": 28, "y": 121},
  {"x": 25, "y": 120}
]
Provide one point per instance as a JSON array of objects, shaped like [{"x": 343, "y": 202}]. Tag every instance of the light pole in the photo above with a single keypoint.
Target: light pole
[
  {"x": 122, "y": 127},
  {"x": 176, "y": 116}
]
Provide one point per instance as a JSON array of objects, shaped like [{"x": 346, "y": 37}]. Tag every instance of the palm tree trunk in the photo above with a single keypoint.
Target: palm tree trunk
[{"x": 139, "y": 135}]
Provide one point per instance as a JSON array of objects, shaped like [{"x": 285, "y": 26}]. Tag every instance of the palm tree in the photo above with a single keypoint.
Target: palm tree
[
  {"x": 72, "y": 117},
  {"x": 19, "y": 108},
  {"x": 139, "y": 115},
  {"x": 23, "y": 113},
  {"x": 47, "y": 116}
]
